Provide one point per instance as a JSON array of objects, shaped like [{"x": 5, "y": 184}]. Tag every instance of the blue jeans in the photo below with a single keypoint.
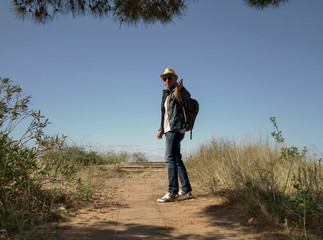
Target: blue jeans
[{"x": 175, "y": 164}]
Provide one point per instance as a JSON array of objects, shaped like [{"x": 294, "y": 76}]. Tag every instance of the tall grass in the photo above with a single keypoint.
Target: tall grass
[{"x": 278, "y": 182}]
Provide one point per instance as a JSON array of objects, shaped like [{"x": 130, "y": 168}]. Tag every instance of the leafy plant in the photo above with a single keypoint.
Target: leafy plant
[
  {"x": 299, "y": 202},
  {"x": 14, "y": 110},
  {"x": 39, "y": 171},
  {"x": 20, "y": 193},
  {"x": 23, "y": 202}
]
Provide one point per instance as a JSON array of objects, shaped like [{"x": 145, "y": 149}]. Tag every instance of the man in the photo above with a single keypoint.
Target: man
[{"x": 173, "y": 126}]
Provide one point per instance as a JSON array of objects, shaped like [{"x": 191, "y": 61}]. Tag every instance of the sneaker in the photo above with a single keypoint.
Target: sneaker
[
  {"x": 169, "y": 197},
  {"x": 184, "y": 193}
]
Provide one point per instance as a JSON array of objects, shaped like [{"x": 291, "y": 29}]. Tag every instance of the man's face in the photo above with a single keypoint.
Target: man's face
[{"x": 169, "y": 81}]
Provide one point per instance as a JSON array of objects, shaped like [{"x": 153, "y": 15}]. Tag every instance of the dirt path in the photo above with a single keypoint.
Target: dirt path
[{"x": 126, "y": 208}]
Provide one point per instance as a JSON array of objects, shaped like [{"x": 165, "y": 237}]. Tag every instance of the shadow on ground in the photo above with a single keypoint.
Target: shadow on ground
[
  {"x": 105, "y": 230},
  {"x": 226, "y": 216}
]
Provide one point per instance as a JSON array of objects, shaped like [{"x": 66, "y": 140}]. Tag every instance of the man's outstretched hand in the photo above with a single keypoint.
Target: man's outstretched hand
[{"x": 179, "y": 85}]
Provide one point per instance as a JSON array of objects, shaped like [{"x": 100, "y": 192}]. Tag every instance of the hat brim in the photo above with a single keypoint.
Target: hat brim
[{"x": 168, "y": 74}]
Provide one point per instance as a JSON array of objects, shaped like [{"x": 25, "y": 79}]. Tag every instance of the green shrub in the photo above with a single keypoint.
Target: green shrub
[
  {"x": 112, "y": 157},
  {"x": 24, "y": 202},
  {"x": 38, "y": 172},
  {"x": 139, "y": 157},
  {"x": 68, "y": 160}
]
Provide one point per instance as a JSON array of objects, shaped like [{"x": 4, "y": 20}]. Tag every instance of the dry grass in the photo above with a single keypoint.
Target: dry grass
[
  {"x": 31, "y": 205},
  {"x": 286, "y": 189}
]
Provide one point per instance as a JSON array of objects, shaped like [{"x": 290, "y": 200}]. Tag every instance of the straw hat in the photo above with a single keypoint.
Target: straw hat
[{"x": 169, "y": 71}]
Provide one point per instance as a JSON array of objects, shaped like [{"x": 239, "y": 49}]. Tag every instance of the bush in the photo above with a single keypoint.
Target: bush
[
  {"x": 68, "y": 160},
  {"x": 24, "y": 201},
  {"x": 38, "y": 172},
  {"x": 139, "y": 157},
  {"x": 112, "y": 157}
]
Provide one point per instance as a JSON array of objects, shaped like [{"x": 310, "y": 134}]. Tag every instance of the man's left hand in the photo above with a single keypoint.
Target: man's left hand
[{"x": 180, "y": 85}]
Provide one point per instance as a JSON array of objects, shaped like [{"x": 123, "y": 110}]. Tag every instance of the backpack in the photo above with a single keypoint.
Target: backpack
[{"x": 190, "y": 112}]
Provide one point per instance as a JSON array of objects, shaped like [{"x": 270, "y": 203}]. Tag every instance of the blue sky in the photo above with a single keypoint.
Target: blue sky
[{"x": 99, "y": 84}]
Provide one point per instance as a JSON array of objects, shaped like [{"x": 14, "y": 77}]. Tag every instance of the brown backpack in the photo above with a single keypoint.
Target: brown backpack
[{"x": 190, "y": 112}]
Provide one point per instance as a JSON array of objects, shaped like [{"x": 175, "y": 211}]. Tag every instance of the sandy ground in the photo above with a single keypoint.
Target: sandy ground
[{"x": 125, "y": 207}]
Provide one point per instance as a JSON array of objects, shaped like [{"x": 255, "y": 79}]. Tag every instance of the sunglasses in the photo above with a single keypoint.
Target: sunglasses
[{"x": 169, "y": 78}]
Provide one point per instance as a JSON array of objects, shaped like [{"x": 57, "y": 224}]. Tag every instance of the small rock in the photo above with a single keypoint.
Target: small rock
[
  {"x": 62, "y": 209},
  {"x": 252, "y": 221}
]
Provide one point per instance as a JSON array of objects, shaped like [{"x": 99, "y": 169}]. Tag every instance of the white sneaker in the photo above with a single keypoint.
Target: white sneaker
[
  {"x": 184, "y": 193},
  {"x": 169, "y": 197}
]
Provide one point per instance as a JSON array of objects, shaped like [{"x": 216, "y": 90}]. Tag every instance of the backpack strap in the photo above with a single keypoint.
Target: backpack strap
[{"x": 179, "y": 100}]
